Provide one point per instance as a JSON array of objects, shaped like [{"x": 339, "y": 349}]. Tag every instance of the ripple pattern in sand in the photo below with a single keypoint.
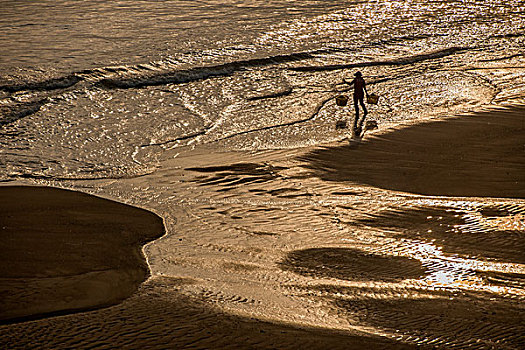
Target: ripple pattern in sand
[
  {"x": 255, "y": 236},
  {"x": 346, "y": 256}
]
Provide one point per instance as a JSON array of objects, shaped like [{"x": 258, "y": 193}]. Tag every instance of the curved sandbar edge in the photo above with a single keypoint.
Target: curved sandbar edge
[{"x": 65, "y": 251}]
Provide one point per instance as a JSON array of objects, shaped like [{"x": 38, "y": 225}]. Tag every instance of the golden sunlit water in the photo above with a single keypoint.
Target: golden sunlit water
[{"x": 220, "y": 117}]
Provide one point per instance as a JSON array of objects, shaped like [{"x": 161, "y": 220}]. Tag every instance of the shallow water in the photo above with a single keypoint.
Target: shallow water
[
  {"x": 204, "y": 111},
  {"x": 101, "y": 90}
]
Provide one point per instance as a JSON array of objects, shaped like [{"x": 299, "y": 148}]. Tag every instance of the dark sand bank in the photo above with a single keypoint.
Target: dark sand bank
[
  {"x": 160, "y": 317},
  {"x": 65, "y": 251},
  {"x": 478, "y": 155}
]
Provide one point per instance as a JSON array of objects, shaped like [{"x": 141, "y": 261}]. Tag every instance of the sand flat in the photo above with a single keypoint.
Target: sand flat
[
  {"x": 306, "y": 249},
  {"x": 66, "y": 251}
]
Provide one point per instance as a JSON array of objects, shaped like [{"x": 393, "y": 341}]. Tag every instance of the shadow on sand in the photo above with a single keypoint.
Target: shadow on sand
[
  {"x": 351, "y": 264},
  {"x": 160, "y": 317},
  {"x": 442, "y": 319},
  {"x": 479, "y": 155}
]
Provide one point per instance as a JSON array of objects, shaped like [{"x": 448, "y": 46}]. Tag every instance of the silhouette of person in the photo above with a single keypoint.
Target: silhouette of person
[{"x": 359, "y": 94}]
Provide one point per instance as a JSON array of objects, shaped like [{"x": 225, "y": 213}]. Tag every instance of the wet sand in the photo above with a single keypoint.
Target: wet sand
[
  {"x": 438, "y": 273},
  {"x": 159, "y": 317},
  {"x": 66, "y": 252},
  {"x": 480, "y": 155}
]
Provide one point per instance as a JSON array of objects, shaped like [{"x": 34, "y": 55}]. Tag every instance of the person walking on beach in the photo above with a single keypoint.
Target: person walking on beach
[{"x": 359, "y": 95}]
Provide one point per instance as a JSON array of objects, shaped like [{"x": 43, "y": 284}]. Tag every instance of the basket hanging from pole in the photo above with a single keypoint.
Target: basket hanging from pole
[
  {"x": 341, "y": 100},
  {"x": 372, "y": 99}
]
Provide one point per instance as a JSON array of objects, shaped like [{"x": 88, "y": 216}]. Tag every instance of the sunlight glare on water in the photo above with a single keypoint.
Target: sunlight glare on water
[{"x": 220, "y": 116}]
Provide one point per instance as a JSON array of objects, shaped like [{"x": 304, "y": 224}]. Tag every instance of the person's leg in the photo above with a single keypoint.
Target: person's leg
[
  {"x": 356, "y": 107},
  {"x": 365, "y": 112},
  {"x": 364, "y": 107}
]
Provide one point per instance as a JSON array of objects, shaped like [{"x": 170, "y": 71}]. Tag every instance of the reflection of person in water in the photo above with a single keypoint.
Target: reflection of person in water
[{"x": 359, "y": 95}]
